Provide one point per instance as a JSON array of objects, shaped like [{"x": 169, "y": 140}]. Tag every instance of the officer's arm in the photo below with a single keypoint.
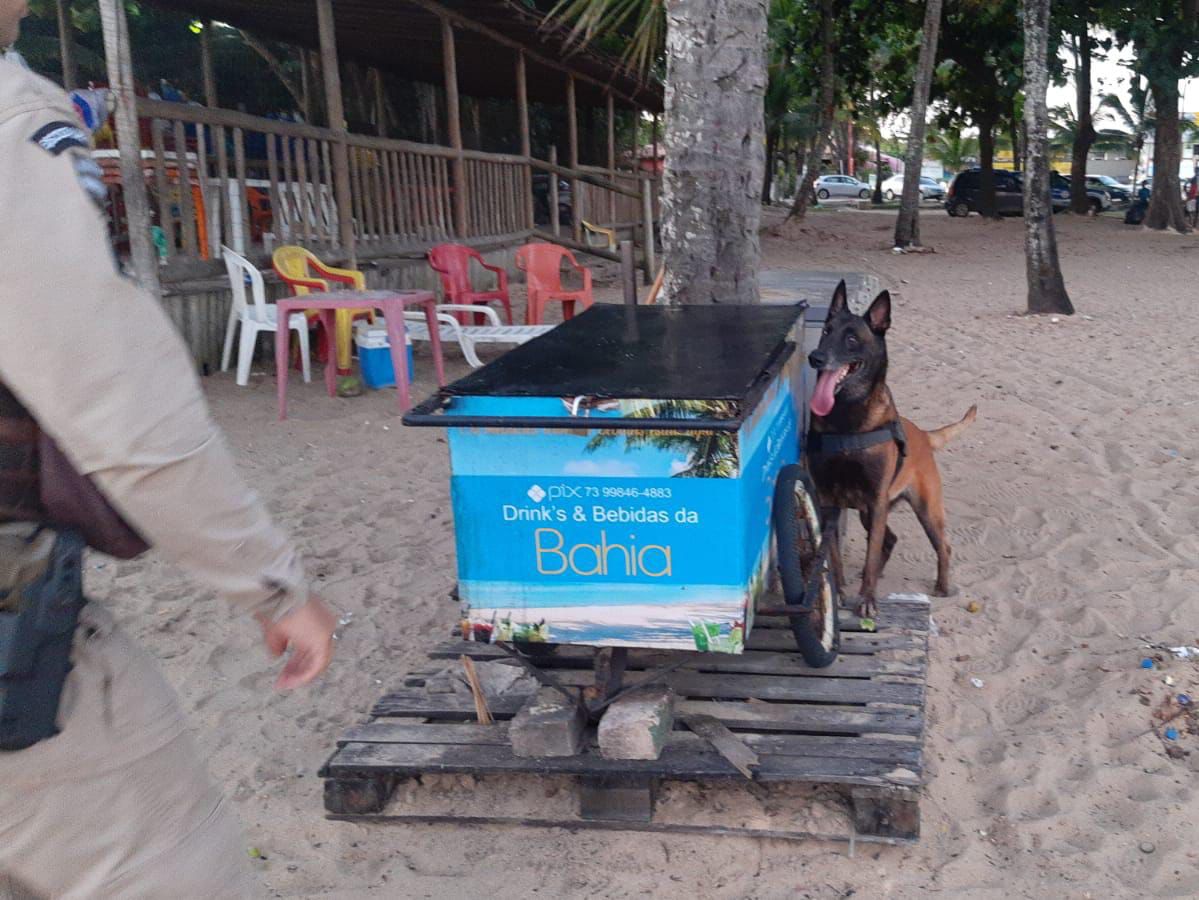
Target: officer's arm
[{"x": 99, "y": 364}]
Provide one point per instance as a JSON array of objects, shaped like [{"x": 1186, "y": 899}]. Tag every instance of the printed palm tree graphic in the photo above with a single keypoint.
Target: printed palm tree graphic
[{"x": 709, "y": 454}]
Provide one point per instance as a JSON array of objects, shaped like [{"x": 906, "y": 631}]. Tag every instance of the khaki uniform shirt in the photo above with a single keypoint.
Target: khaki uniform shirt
[{"x": 97, "y": 362}]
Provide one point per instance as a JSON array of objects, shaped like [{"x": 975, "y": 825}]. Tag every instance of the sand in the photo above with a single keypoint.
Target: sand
[{"x": 1074, "y": 513}]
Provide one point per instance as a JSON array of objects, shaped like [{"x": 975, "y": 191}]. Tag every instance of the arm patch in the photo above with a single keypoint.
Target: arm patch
[{"x": 55, "y": 137}]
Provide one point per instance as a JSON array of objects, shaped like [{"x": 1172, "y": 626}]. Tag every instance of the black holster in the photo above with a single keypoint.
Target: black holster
[{"x": 40, "y": 603}]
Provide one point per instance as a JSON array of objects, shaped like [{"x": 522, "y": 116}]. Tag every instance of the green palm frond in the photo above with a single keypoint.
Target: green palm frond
[{"x": 640, "y": 23}]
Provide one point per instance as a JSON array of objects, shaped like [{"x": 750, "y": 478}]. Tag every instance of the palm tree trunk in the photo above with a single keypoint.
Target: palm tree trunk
[
  {"x": 877, "y": 199},
  {"x": 711, "y": 192},
  {"x": 1165, "y": 204},
  {"x": 907, "y": 226},
  {"x": 986, "y": 164},
  {"x": 772, "y": 143},
  {"x": 825, "y": 111},
  {"x": 1084, "y": 137},
  {"x": 1014, "y": 136},
  {"x": 1046, "y": 288}
]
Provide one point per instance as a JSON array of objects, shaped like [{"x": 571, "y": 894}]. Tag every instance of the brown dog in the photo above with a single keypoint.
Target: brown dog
[{"x": 863, "y": 455}]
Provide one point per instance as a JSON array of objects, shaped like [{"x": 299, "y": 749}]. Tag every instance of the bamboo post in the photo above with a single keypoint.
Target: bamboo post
[
  {"x": 337, "y": 124},
  {"x": 572, "y": 133},
  {"x": 453, "y": 113},
  {"x": 137, "y": 203},
  {"x": 555, "y": 224},
  {"x": 380, "y": 104},
  {"x": 66, "y": 44},
  {"x": 526, "y": 145},
  {"x": 611, "y": 156},
  {"x": 628, "y": 273},
  {"x": 206, "y": 68},
  {"x": 306, "y": 87},
  {"x": 647, "y": 223}
]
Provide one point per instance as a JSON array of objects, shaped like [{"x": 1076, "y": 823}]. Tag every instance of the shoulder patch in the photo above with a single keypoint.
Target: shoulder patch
[{"x": 56, "y": 137}]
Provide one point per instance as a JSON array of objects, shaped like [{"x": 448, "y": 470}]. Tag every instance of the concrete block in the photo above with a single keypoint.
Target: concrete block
[
  {"x": 548, "y": 725},
  {"x": 637, "y": 725}
]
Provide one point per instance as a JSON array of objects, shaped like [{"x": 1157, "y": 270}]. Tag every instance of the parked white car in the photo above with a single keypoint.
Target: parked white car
[
  {"x": 930, "y": 188},
  {"x": 840, "y": 186}
]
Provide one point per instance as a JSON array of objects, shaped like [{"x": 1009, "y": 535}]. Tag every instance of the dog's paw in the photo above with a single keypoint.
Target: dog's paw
[{"x": 866, "y": 607}]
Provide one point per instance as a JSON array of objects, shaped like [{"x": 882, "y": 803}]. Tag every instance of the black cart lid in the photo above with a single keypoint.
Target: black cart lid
[{"x": 661, "y": 352}]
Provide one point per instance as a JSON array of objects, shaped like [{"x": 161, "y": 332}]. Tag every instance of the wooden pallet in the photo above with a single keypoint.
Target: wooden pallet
[{"x": 853, "y": 731}]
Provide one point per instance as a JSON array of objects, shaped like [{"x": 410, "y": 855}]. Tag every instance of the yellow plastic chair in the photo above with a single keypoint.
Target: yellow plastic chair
[
  {"x": 599, "y": 236},
  {"x": 303, "y": 271}
]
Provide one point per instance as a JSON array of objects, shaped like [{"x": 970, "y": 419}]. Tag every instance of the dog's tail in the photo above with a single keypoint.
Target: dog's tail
[{"x": 939, "y": 437}]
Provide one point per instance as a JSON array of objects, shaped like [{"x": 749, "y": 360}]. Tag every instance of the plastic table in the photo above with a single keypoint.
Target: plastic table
[{"x": 391, "y": 304}]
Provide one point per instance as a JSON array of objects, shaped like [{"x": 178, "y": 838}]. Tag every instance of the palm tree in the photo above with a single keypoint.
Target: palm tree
[
  {"x": 907, "y": 225},
  {"x": 715, "y": 52},
  {"x": 1065, "y": 126},
  {"x": 952, "y": 149},
  {"x": 709, "y": 454},
  {"x": 1137, "y": 117}
]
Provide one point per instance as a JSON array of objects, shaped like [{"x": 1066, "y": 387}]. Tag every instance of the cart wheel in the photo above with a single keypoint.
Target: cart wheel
[{"x": 798, "y": 535}]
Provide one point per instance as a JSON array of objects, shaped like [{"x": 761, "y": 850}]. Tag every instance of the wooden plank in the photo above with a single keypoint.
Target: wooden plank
[
  {"x": 424, "y": 195},
  {"x": 331, "y": 73},
  {"x": 356, "y": 196},
  {"x": 808, "y": 718},
  {"x": 454, "y": 122},
  {"x": 442, "y": 171},
  {"x": 727, "y": 744},
  {"x": 398, "y": 195},
  {"x": 243, "y": 200},
  {"x": 210, "y": 225},
  {"x": 684, "y": 763},
  {"x": 222, "y": 162},
  {"x": 326, "y": 227},
  {"x": 389, "y": 211},
  {"x": 290, "y": 200},
  {"x": 861, "y": 642},
  {"x": 165, "y": 220},
  {"x": 302, "y": 187},
  {"x": 383, "y": 731},
  {"x": 272, "y": 165},
  {"x": 751, "y": 661},
  {"x": 191, "y": 244},
  {"x": 208, "y": 72},
  {"x": 407, "y": 704},
  {"x": 391, "y": 731},
  {"x": 772, "y": 687}
]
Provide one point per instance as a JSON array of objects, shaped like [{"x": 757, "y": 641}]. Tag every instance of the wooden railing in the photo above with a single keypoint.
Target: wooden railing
[{"x": 224, "y": 177}]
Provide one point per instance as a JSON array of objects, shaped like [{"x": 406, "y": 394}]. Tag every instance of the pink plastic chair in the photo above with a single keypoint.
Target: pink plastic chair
[
  {"x": 542, "y": 265},
  {"x": 452, "y": 263}
]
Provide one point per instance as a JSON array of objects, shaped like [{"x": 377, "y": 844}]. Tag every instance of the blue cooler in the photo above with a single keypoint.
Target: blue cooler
[
  {"x": 374, "y": 354},
  {"x": 613, "y": 479}
]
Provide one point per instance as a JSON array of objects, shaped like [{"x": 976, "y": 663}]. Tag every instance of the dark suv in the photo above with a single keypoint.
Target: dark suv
[{"x": 966, "y": 190}]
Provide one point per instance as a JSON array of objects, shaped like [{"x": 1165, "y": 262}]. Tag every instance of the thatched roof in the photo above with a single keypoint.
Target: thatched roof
[{"x": 404, "y": 36}]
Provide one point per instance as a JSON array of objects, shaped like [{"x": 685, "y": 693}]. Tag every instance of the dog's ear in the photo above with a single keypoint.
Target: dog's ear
[
  {"x": 840, "y": 302},
  {"x": 878, "y": 317}
]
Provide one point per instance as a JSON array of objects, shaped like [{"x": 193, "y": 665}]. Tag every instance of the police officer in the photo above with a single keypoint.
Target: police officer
[{"x": 118, "y": 803}]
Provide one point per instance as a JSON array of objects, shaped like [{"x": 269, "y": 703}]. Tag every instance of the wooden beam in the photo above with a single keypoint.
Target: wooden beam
[
  {"x": 453, "y": 113},
  {"x": 133, "y": 184},
  {"x": 380, "y": 103},
  {"x": 206, "y": 69},
  {"x": 572, "y": 135},
  {"x": 444, "y": 12},
  {"x": 337, "y": 123},
  {"x": 611, "y": 111},
  {"x": 66, "y": 44},
  {"x": 526, "y": 144}
]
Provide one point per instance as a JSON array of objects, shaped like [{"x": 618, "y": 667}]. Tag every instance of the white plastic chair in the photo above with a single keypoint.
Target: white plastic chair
[
  {"x": 467, "y": 336},
  {"x": 261, "y": 317}
]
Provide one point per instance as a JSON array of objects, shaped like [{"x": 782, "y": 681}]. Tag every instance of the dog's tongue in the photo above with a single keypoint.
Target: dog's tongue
[{"x": 824, "y": 396}]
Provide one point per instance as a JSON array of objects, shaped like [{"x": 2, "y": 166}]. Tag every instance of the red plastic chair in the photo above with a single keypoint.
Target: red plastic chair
[
  {"x": 542, "y": 265},
  {"x": 452, "y": 263}
]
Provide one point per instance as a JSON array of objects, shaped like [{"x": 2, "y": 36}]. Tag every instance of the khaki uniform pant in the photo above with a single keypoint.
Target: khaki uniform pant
[{"x": 118, "y": 805}]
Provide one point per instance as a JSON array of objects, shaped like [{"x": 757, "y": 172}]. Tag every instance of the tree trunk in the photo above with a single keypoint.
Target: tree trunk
[
  {"x": 907, "y": 226},
  {"x": 1014, "y": 136},
  {"x": 1085, "y": 135},
  {"x": 877, "y": 199},
  {"x": 715, "y": 91},
  {"x": 1165, "y": 204},
  {"x": 824, "y": 112},
  {"x": 1046, "y": 289},
  {"x": 987, "y": 207},
  {"x": 772, "y": 142}
]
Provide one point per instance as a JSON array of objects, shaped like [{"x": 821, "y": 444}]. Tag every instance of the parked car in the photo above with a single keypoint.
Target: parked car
[
  {"x": 1097, "y": 197},
  {"x": 541, "y": 200},
  {"x": 1120, "y": 193},
  {"x": 840, "y": 186},
  {"x": 930, "y": 188},
  {"x": 966, "y": 189}
]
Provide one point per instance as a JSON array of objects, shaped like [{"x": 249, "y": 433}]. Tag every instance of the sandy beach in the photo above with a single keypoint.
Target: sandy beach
[{"x": 1073, "y": 509}]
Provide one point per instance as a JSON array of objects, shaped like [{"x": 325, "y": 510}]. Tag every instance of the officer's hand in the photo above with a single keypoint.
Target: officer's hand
[{"x": 308, "y": 633}]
